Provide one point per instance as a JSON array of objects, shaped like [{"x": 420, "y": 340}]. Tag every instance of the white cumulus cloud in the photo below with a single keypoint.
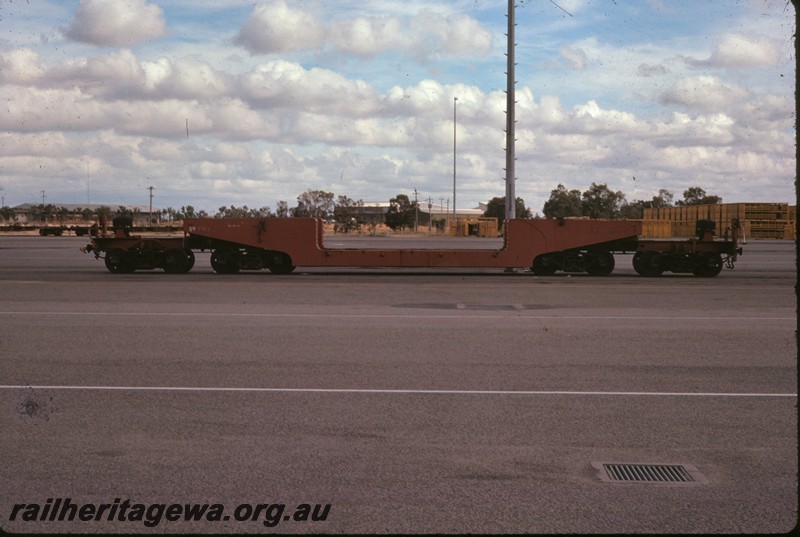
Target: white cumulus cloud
[
  {"x": 706, "y": 93},
  {"x": 279, "y": 28},
  {"x": 733, "y": 51},
  {"x": 736, "y": 51},
  {"x": 276, "y": 27},
  {"x": 116, "y": 23},
  {"x": 20, "y": 66}
]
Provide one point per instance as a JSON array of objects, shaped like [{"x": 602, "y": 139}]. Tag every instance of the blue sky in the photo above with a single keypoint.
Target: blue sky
[{"x": 355, "y": 97}]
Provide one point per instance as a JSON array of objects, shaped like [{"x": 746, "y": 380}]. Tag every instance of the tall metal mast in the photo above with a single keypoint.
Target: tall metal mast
[
  {"x": 511, "y": 102},
  {"x": 455, "y": 100}
]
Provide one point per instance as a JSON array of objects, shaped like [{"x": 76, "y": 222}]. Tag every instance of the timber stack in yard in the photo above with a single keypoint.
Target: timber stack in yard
[{"x": 758, "y": 220}]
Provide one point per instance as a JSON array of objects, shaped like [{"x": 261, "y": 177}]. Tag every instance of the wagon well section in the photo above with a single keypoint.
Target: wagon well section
[{"x": 301, "y": 240}]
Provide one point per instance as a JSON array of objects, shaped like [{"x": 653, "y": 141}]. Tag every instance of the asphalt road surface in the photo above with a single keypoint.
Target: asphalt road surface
[{"x": 408, "y": 401}]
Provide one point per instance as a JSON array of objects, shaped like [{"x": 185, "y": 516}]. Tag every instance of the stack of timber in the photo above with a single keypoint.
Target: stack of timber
[
  {"x": 759, "y": 220},
  {"x": 479, "y": 226}
]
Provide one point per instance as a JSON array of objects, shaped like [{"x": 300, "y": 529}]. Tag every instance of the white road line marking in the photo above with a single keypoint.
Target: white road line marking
[
  {"x": 513, "y": 314},
  {"x": 390, "y": 391}
]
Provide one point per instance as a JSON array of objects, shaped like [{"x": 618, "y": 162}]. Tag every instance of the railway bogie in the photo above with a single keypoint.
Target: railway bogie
[
  {"x": 124, "y": 255},
  {"x": 230, "y": 260},
  {"x": 593, "y": 262},
  {"x": 652, "y": 263}
]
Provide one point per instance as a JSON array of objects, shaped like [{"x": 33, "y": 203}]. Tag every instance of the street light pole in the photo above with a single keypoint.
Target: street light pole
[
  {"x": 455, "y": 100},
  {"x": 511, "y": 197}
]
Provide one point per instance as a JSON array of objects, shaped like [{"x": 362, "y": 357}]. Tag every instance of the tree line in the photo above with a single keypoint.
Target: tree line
[
  {"x": 312, "y": 203},
  {"x": 598, "y": 201}
]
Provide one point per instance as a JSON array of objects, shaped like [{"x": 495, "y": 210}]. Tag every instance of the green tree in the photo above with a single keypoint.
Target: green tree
[
  {"x": 282, "y": 209},
  {"x": 44, "y": 212},
  {"x": 187, "y": 211},
  {"x": 314, "y": 203},
  {"x": 599, "y": 201},
  {"x": 664, "y": 199},
  {"x": 7, "y": 213},
  {"x": 233, "y": 212},
  {"x": 243, "y": 212},
  {"x": 697, "y": 196},
  {"x": 563, "y": 203},
  {"x": 169, "y": 213},
  {"x": 401, "y": 213},
  {"x": 635, "y": 209},
  {"x": 263, "y": 212},
  {"x": 62, "y": 213},
  {"x": 496, "y": 208},
  {"x": 347, "y": 211}
]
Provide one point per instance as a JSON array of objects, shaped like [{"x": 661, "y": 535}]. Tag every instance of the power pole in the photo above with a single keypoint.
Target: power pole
[
  {"x": 416, "y": 211},
  {"x": 511, "y": 102}
]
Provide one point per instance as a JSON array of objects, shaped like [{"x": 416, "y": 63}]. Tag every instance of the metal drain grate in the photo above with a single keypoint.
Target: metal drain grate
[{"x": 649, "y": 473}]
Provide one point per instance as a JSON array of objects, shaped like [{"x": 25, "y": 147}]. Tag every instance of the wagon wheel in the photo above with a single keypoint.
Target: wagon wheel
[
  {"x": 281, "y": 264},
  {"x": 599, "y": 263},
  {"x": 175, "y": 261},
  {"x": 648, "y": 264},
  {"x": 225, "y": 261},
  {"x": 707, "y": 264},
  {"x": 189, "y": 259},
  {"x": 544, "y": 265},
  {"x": 119, "y": 261}
]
